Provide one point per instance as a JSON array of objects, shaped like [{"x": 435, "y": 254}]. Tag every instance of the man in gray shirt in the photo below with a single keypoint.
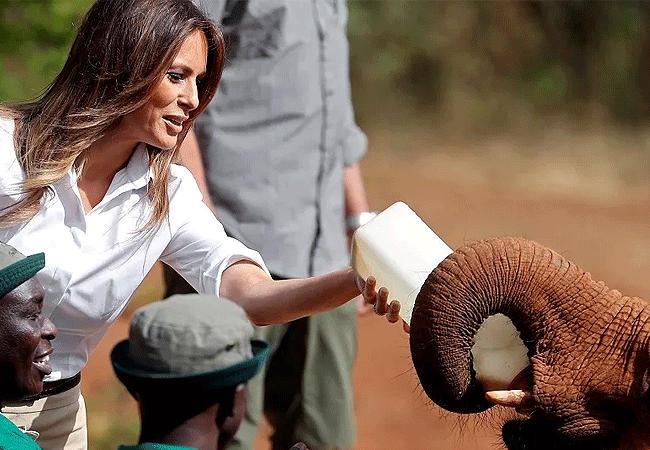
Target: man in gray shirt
[{"x": 277, "y": 154}]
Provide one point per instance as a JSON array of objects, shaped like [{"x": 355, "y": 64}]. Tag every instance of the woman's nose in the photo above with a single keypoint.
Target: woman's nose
[{"x": 191, "y": 95}]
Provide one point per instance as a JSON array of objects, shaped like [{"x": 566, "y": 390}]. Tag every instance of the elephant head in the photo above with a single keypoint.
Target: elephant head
[{"x": 587, "y": 383}]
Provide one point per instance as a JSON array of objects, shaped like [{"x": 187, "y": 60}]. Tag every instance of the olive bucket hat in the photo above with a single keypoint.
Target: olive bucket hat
[
  {"x": 16, "y": 268},
  {"x": 193, "y": 341}
]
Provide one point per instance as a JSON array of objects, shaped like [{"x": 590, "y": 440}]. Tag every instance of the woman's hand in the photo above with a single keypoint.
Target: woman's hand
[
  {"x": 378, "y": 298},
  {"x": 363, "y": 308}
]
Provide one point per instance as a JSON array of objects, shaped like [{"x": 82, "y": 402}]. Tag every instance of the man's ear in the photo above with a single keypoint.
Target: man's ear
[
  {"x": 227, "y": 404},
  {"x": 239, "y": 400}
]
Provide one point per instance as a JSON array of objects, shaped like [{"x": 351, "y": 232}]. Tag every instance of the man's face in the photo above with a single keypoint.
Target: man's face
[{"x": 25, "y": 346}]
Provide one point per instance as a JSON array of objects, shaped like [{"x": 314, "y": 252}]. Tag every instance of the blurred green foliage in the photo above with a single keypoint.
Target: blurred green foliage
[
  {"x": 480, "y": 66},
  {"x": 489, "y": 66},
  {"x": 36, "y": 37}
]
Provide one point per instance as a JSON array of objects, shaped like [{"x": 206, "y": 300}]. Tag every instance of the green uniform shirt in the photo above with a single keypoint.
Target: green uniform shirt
[
  {"x": 153, "y": 446},
  {"x": 11, "y": 438}
]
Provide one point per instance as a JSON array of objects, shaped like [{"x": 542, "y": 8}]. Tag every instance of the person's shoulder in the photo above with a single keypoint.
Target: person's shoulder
[
  {"x": 183, "y": 193},
  {"x": 8, "y": 160},
  {"x": 178, "y": 172},
  {"x": 181, "y": 180},
  {"x": 6, "y": 128},
  {"x": 7, "y": 150}
]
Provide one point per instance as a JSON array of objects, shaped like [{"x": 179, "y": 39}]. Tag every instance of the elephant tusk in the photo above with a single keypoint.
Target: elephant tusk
[{"x": 513, "y": 398}]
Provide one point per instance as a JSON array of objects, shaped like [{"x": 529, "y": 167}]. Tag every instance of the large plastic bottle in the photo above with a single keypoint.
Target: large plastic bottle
[{"x": 400, "y": 251}]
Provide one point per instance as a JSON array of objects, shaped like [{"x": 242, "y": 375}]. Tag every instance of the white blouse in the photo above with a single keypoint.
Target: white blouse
[{"x": 94, "y": 262}]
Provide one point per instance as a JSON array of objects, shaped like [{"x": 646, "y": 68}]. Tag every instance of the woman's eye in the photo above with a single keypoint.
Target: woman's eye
[{"x": 175, "y": 76}]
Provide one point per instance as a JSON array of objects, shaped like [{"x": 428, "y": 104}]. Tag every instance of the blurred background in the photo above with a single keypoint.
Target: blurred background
[{"x": 487, "y": 118}]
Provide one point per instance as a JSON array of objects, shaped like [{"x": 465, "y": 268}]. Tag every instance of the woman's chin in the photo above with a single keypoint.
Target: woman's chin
[
  {"x": 163, "y": 140},
  {"x": 166, "y": 145}
]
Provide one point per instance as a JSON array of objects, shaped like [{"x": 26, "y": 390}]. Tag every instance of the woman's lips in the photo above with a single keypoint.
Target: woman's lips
[{"x": 176, "y": 123}]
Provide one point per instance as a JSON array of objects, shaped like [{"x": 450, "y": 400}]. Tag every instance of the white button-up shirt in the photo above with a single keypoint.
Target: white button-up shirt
[{"x": 94, "y": 262}]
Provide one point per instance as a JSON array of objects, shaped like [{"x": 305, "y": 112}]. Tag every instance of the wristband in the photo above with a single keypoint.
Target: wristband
[{"x": 358, "y": 220}]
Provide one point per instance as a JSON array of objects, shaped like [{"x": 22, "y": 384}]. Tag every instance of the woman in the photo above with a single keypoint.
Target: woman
[{"x": 88, "y": 176}]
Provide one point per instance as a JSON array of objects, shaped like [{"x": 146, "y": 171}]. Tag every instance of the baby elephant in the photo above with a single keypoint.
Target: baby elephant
[{"x": 587, "y": 383}]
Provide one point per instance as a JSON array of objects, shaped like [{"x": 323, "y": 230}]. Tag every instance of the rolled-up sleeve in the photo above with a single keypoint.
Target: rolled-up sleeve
[
  {"x": 199, "y": 248},
  {"x": 354, "y": 143}
]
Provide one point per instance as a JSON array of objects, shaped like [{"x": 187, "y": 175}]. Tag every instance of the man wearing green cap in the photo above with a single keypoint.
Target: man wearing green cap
[
  {"x": 25, "y": 337},
  {"x": 186, "y": 362}
]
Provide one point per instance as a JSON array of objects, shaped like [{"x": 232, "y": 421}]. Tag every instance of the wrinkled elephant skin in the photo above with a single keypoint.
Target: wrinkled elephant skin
[{"x": 588, "y": 345}]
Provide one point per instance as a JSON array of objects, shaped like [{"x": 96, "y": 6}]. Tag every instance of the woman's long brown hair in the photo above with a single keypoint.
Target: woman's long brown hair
[{"x": 120, "y": 55}]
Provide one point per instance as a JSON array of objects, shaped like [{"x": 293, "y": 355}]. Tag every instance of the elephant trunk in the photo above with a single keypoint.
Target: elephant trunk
[{"x": 511, "y": 276}]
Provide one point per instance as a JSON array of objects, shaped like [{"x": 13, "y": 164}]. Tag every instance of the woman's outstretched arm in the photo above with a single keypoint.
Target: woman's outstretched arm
[{"x": 269, "y": 302}]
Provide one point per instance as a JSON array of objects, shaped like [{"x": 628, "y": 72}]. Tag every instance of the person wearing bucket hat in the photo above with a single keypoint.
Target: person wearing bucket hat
[
  {"x": 187, "y": 368},
  {"x": 25, "y": 337}
]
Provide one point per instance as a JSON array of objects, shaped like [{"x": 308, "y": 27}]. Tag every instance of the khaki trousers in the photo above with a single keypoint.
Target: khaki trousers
[{"x": 59, "y": 420}]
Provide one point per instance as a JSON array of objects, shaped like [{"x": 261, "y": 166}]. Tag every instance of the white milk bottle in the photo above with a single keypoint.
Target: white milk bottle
[{"x": 400, "y": 251}]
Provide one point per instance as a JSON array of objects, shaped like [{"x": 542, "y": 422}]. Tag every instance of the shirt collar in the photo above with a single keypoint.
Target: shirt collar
[
  {"x": 137, "y": 170},
  {"x": 135, "y": 175}
]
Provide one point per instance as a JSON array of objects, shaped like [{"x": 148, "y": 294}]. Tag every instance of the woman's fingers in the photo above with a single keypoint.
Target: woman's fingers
[
  {"x": 393, "y": 311},
  {"x": 380, "y": 300},
  {"x": 381, "y": 306},
  {"x": 369, "y": 294}
]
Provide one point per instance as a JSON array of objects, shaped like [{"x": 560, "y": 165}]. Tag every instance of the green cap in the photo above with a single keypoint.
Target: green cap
[
  {"x": 202, "y": 342},
  {"x": 16, "y": 268}
]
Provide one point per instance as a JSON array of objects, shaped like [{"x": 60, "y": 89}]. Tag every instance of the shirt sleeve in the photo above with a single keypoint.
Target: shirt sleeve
[
  {"x": 353, "y": 141},
  {"x": 355, "y": 144},
  {"x": 12, "y": 174},
  {"x": 199, "y": 248}
]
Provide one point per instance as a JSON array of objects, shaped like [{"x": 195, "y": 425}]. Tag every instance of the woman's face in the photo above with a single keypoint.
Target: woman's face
[
  {"x": 25, "y": 346},
  {"x": 159, "y": 121}
]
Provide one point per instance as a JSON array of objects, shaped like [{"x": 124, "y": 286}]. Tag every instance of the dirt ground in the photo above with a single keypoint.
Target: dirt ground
[{"x": 583, "y": 209}]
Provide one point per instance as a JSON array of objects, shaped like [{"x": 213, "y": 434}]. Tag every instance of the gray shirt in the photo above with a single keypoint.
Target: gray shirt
[{"x": 280, "y": 131}]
